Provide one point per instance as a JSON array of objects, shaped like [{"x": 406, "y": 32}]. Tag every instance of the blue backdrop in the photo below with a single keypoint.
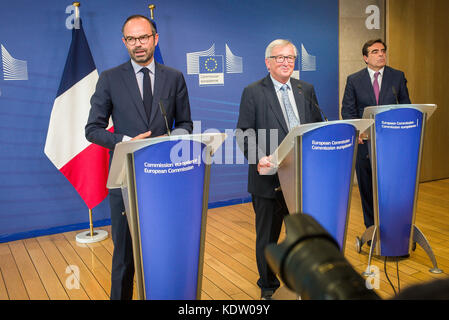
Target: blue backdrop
[{"x": 35, "y": 198}]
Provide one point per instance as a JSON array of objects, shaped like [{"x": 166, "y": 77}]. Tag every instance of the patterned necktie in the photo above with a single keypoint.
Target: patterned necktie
[
  {"x": 147, "y": 94},
  {"x": 292, "y": 119},
  {"x": 376, "y": 87}
]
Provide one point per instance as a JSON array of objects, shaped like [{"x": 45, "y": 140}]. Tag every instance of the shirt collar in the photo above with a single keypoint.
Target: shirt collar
[
  {"x": 372, "y": 72},
  {"x": 137, "y": 67},
  {"x": 278, "y": 85}
]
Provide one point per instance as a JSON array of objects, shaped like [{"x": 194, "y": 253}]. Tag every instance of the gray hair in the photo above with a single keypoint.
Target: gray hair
[{"x": 279, "y": 43}]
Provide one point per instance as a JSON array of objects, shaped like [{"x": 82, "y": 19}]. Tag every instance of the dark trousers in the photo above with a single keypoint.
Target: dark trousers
[
  {"x": 365, "y": 181},
  {"x": 122, "y": 274},
  {"x": 269, "y": 217}
]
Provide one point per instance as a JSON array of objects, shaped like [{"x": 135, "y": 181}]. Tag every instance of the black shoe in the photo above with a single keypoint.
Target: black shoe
[{"x": 267, "y": 295}]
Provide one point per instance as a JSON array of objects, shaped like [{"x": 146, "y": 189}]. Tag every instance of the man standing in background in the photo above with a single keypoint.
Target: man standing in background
[{"x": 377, "y": 84}]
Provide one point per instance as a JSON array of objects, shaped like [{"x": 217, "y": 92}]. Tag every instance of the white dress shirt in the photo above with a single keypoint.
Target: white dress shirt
[
  {"x": 277, "y": 87},
  {"x": 379, "y": 77},
  {"x": 139, "y": 77}
]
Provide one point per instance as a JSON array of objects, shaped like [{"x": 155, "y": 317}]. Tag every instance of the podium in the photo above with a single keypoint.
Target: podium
[
  {"x": 165, "y": 188},
  {"x": 315, "y": 164},
  {"x": 395, "y": 144}
]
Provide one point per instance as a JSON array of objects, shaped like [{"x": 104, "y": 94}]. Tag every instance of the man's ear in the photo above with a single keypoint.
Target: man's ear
[{"x": 267, "y": 63}]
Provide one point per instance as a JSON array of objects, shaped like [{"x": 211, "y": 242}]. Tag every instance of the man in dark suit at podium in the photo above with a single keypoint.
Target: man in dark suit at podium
[
  {"x": 130, "y": 94},
  {"x": 271, "y": 107},
  {"x": 377, "y": 84}
]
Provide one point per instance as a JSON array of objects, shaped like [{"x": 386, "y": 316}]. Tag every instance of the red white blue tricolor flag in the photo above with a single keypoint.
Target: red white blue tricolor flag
[{"x": 84, "y": 164}]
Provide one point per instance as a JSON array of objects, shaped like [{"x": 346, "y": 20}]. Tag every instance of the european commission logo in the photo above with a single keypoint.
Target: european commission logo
[
  {"x": 210, "y": 67},
  {"x": 13, "y": 69},
  {"x": 306, "y": 62},
  {"x": 211, "y": 70}
]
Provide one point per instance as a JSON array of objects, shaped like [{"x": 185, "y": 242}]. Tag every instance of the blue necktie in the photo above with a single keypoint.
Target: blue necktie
[{"x": 292, "y": 119}]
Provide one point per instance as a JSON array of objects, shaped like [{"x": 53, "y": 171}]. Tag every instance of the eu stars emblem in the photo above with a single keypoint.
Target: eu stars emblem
[{"x": 211, "y": 70}]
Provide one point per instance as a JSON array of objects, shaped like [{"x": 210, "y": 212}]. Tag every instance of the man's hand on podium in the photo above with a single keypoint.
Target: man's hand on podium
[
  {"x": 266, "y": 166},
  {"x": 142, "y": 136},
  {"x": 363, "y": 137}
]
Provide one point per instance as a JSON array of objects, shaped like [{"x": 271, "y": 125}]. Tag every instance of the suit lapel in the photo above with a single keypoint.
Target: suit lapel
[
  {"x": 129, "y": 78},
  {"x": 159, "y": 81},
  {"x": 366, "y": 83},
  {"x": 273, "y": 102},
  {"x": 386, "y": 86},
  {"x": 299, "y": 99}
]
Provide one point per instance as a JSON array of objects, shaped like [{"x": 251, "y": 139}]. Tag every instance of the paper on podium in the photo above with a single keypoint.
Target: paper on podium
[{"x": 117, "y": 176}]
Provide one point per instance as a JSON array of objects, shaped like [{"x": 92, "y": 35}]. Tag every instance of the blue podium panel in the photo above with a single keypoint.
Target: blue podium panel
[
  {"x": 398, "y": 138},
  {"x": 327, "y": 160},
  {"x": 170, "y": 202}
]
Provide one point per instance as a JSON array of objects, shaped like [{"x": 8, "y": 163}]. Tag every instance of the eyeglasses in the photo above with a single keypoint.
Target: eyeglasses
[
  {"x": 142, "y": 39},
  {"x": 281, "y": 59}
]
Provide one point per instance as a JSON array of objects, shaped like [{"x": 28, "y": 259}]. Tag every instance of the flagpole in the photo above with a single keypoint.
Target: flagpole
[
  {"x": 76, "y": 4},
  {"x": 91, "y": 236},
  {"x": 77, "y": 10},
  {"x": 151, "y": 6},
  {"x": 91, "y": 225},
  {"x": 76, "y": 22},
  {"x": 157, "y": 51}
]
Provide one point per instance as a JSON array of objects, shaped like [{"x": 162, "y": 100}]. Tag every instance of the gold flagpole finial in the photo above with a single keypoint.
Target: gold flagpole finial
[
  {"x": 77, "y": 5},
  {"x": 151, "y": 6}
]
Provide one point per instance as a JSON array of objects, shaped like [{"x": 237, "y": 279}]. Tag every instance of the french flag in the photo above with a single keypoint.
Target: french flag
[{"x": 84, "y": 164}]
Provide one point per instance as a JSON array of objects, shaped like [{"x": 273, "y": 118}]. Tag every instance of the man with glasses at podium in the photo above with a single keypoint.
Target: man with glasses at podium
[
  {"x": 377, "y": 84},
  {"x": 269, "y": 109},
  {"x": 130, "y": 95}
]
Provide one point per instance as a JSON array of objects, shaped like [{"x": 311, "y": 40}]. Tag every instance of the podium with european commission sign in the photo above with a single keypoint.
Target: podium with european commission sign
[
  {"x": 165, "y": 188},
  {"x": 396, "y": 143},
  {"x": 315, "y": 164}
]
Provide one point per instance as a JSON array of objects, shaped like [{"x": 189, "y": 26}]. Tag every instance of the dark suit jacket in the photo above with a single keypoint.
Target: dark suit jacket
[
  {"x": 359, "y": 92},
  {"x": 117, "y": 95},
  {"x": 260, "y": 109}
]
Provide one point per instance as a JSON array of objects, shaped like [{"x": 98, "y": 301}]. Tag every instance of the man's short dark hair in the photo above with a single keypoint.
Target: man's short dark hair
[
  {"x": 135, "y": 16},
  {"x": 369, "y": 43}
]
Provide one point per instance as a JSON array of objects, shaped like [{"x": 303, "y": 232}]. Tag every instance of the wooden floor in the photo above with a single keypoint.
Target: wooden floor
[{"x": 49, "y": 267}]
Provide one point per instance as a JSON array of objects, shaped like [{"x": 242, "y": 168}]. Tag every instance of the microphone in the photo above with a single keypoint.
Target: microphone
[
  {"x": 314, "y": 103},
  {"x": 395, "y": 94},
  {"x": 164, "y": 114}
]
